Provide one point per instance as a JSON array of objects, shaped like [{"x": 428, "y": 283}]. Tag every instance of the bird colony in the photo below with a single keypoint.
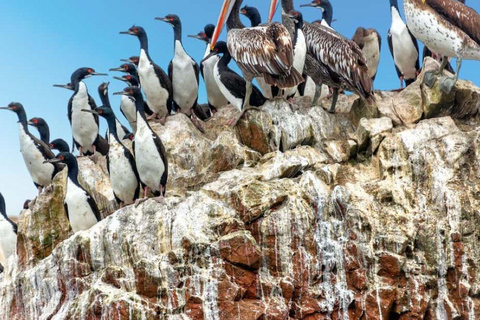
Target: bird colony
[{"x": 287, "y": 60}]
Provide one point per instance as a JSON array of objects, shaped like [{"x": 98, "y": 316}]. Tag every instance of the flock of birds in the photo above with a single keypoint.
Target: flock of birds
[{"x": 288, "y": 59}]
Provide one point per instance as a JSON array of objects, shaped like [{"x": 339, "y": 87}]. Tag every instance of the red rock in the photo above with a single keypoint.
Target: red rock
[
  {"x": 244, "y": 309},
  {"x": 287, "y": 289},
  {"x": 386, "y": 296},
  {"x": 146, "y": 283},
  {"x": 357, "y": 279},
  {"x": 228, "y": 291},
  {"x": 245, "y": 279},
  {"x": 456, "y": 237},
  {"x": 458, "y": 252},
  {"x": 240, "y": 248},
  {"x": 390, "y": 266}
]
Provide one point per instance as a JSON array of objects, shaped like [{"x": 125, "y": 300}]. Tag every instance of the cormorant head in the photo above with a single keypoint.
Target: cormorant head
[
  {"x": 220, "y": 47},
  {"x": 132, "y": 91},
  {"x": 171, "y": 19},
  {"x": 315, "y": 4},
  {"x": 64, "y": 157},
  {"x": 82, "y": 73},
  {"x": 133, "y": 59},
  {"x": 296, "y": 16},
  {"x": 37, "y": 122},
  {"x": 126, "y": 67},
  {"x": 209, "y": 29},
  {"x": 60, "y": 145},
  {"x": 102, "y": 111},
  {"x": 134, "y": 31},
  {"x": 129, "y": 136},
  {"x": 68, "y": 86},
  {"x": 200, "y": 36},
  {"x": 128, "y": 78},
  {"x": 103, "y": 88},
  {"x": 16, "y": 107},
  {"x": 251, "y": 13}
]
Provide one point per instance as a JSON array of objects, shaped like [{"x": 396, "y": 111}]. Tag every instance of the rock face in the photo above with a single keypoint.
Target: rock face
[{"x": 302, "y": 215}]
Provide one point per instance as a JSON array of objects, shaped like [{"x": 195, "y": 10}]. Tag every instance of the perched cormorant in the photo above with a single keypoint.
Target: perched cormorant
[
  {"x": 103, "y": 93},
  {"x": 81, "y": 208},
  {"x": 155, "y": 82},
  {"x": 120, "y": 162},
  {"x": 34, "y": 151},
  {"x": 8, "y": 234},
  {"x": 403, "y": 47},
  {"x": 150, "y": 155},
  {"x": 42, "y": 128}
]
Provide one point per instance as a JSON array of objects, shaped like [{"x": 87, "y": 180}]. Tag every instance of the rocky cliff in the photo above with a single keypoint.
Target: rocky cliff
[{"x": 370, "y": 213}]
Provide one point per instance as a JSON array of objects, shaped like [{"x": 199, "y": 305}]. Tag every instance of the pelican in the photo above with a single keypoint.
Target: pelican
[
  {"x": 447, "y": 27},
  {"x": 264, "y": 51}
]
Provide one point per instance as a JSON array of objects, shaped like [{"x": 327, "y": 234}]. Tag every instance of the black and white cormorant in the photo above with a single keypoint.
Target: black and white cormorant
[
  {"x": 150, "y": 155},
  {"x": 120, "y": 162},
  {"x": 447, "y": 27},
  {"x": 155, "y": 82},
  {"x": 34, "y": 151},
  {"x": 133, "y": 60},
  {"x": 182, "y": 70},
  {"x": 8, "y": 234},
  {"x": 81, "y": 208},
  {"x": 370, "y": 42},
  {"x": 103, "y": 93},
  {"x": 215, "y": 97},
  {"x": 60, "y": 145},
  {"x": 42, "y": 128},
  {"x": 231, "y": 84},
  {"x": 265, "y": 51},
  {"x": 84, "y": 125},
  {"x": 403, "y": 47}
]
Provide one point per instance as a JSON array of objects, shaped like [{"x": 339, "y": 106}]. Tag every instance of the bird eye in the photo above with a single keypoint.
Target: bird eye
[
  {"x": 51, "y": 145},
  {"x": 35, "y": 121},
  {"x": 129, "y": 77},
  {"x": 100, "y": 111},
  {"x": 135, "y": 30},
  {"x": 90, "y": 70},
  {"x": 125, "y": 66},
  {"x": 62, "y": 158}
]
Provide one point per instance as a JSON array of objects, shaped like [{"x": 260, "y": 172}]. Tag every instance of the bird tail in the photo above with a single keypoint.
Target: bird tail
[{"x": 283, "y": 82}]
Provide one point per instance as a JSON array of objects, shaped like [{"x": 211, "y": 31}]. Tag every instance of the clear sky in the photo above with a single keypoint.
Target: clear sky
[{"x": 43, "y": 42}]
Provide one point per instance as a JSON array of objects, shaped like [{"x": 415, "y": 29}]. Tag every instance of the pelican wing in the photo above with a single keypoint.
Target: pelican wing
[
  {"x": 459, "y": 15},
  {"x": 263, "y": 49}
]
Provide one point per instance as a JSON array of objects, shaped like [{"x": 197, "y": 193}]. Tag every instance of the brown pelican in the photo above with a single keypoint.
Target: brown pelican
[
  {"x": 336, "y": 61},
  {"x": 370, "y": 42},
  {"x": 447, "y": 27},
  {"x": 264, "y": 51}
]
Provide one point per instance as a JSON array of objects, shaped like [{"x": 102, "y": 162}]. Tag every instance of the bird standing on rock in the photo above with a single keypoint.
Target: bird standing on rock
[
  {"x": 120, "y": 162},
  {"x": 81, "y": 208},
  {"x": 265, "y": 51},
  {"x": 34, "y": 151},
  {"x": 215, "y": 98},
  {"x": 447, "y": 27},
  {"x": 150, "y": 155},
  {"x": 8, "y": 234},
  {"x": 155, "y": 82},
  {"x": 103, "y": 93}
]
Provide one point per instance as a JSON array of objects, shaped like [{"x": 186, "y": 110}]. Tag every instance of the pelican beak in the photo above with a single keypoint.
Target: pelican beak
[
  {"x": 222, "y": 18},
  {"x": 273, "y": 8}
]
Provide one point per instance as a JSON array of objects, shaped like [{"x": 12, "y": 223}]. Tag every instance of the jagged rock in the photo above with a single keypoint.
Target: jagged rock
[{"x": 279, "y": 228}]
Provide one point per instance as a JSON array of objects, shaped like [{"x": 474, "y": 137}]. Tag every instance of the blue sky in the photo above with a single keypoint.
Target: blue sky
[{"x": 44, "y": 42}]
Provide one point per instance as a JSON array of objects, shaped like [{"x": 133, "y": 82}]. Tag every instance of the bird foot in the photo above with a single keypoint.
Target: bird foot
[
  {"x": 152, "y": 117},
  {"x": 94, "y": 158},
  {"x": 446, "y": 84},
  {"x": 158, "y": 199},
  {"x": 140, "y": 201},
  {"x": 429, "y": 79},
  {"x": 197, "y": 124},
  {"x": 163, "y": 120},
  {"x": 49, "y": 188}
]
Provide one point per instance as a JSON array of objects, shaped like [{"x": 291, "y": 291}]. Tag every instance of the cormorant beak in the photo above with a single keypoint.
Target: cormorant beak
[
  {"x": 117, "y": 69},
  {"x": 6, "y": 108},
  {"x": 54, "y": 160},
  {"x": 164, "y": 19},
  {"x": 312, "y": 4},
  {"x": 30, "y": 123},
  {"x": 127, "y": 32},
  {"x": 213, "y": 53},
  {"x": 122, "y": 93},
  {"x": 222, "y": 18},
  {"x": 98, "y": 74},
  {"x": 64, "y": 86},
  {"x": 90, "y": 111},
  {"x": 199, "y": 36},
  {"x": 121, "y": 79},
  {"x": 273, "y": 8}
]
